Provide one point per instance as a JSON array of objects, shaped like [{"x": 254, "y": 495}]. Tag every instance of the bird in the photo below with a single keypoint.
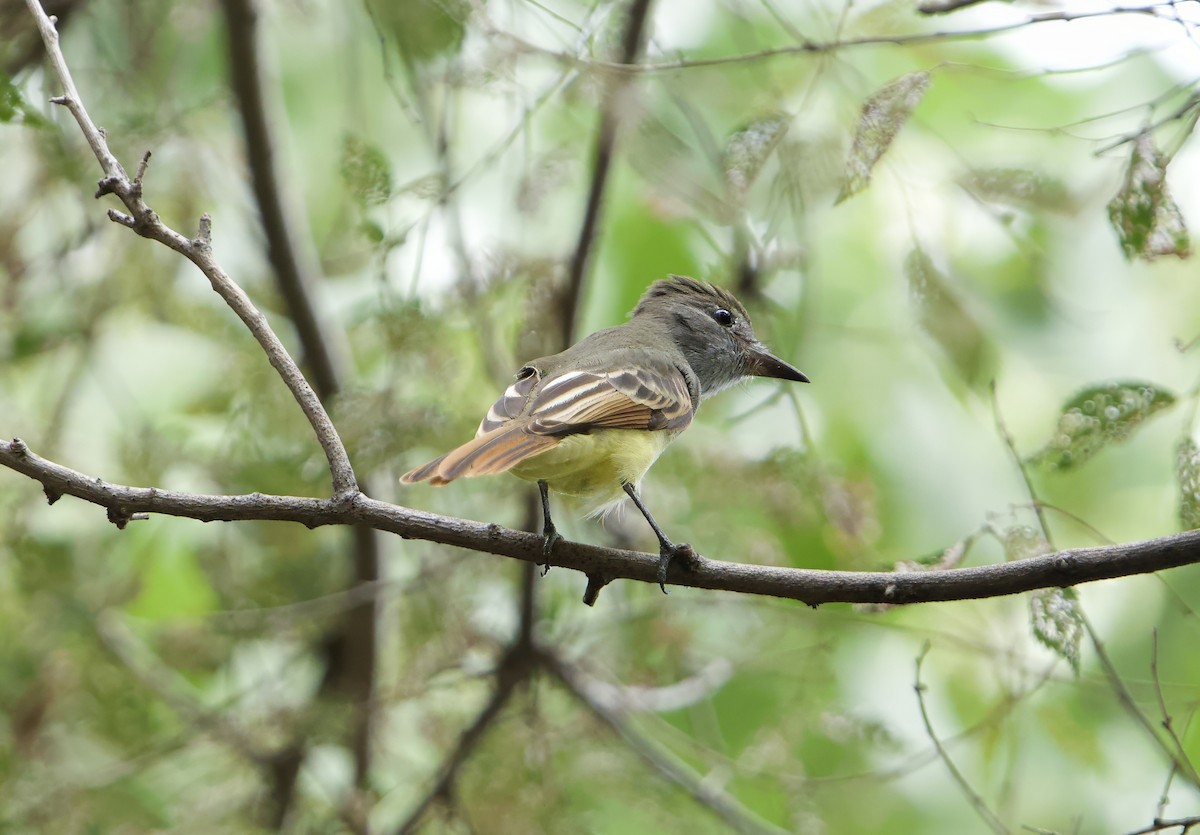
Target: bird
[{"x": 588, "y": 422}]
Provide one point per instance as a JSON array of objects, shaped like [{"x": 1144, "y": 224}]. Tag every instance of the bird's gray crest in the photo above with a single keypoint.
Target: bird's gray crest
[{"x": 680, "y": 286}]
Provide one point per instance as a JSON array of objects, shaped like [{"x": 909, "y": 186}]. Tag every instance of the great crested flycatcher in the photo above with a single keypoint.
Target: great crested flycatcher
[{"x": 589, "y": 422}]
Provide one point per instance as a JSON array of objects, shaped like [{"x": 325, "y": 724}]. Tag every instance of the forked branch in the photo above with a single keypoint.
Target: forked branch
[
  {"x": 139, "y": 217},
  {"x": 1060, "y": 569}
]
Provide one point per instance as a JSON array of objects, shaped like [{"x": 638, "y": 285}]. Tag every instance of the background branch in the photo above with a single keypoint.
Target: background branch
[
  {"x": 977, "y": 803},
  {"x": 143, "y": 220},
  {"x": 351, "y": 651},
  {"x": 1184, "y": 825},
  {"x": 516, "y": 669},
  {"x": 814, "y": 47},
  {"x": 445, "y": 213},
  {"x": 606, "y": 139},
  {"x": 701, "y": 790},
  {"x": 295, "y": 274}
]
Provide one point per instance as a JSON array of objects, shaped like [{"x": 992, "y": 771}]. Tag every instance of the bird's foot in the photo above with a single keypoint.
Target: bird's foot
[
  {"x": 549, "y": 533},
  {"x": 668, "y": 552},
  {"x": 550, "y": 537}
]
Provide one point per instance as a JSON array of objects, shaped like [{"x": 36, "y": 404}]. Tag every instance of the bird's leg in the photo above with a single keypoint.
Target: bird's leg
[
  {"x": 550, "y": 534},
  {"x": 667, "y": 551}
]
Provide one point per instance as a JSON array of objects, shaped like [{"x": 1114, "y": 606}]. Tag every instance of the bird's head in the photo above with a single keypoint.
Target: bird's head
[{"x": 713, "y": 331}]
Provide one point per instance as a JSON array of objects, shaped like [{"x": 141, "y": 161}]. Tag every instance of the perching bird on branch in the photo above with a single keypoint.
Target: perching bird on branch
[{"x": 589, "y": 422}]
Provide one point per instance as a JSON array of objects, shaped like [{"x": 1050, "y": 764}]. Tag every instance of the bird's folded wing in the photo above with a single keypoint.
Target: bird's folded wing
[
  {"x": 512, "y": 403},
  {"x": 528, "y": 419},
  {"x": 632, "y": 397}
]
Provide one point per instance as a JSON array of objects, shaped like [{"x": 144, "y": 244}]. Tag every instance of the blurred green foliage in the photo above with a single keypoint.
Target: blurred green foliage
[
  {"x": 882, "y": 117},
  {"x": 1097, "y": 416},
  {"x": 1143, "y": 212},
  {"x": 439, "y": 153}
]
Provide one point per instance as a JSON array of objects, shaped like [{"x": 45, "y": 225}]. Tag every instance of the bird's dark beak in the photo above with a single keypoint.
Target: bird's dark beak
[{"x": 762, "y": 363}]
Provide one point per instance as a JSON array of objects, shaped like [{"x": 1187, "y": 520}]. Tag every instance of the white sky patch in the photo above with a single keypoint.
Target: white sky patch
[{"x": 1171, "y": 34}]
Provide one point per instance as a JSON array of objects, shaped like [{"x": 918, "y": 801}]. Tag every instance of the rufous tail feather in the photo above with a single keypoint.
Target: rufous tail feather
[{"x": 493, "y": 452}]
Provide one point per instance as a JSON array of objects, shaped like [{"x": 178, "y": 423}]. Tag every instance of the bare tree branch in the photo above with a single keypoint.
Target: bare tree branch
[
  {"x": 606, "y": 139},
  {"x": 1168, "y": 724},
  {"x": 515, "y": 669},
  {"x": 294, "y": 270},
  {"x": 1178, "y": 757},
  {"x": 1184, "y": 825},
  {"x": 977, "y": 803},
  {"x": 173, "y": 689},
  {"x": 522, "y": 656},
  {"x": 812, "y": 586},
  {"x": 704, "y": 793},
  {"x": 662, "y": 699},
  {"x": 945, "y": 6},
  {"x": 351, "y": 652},
  {"x": 143, "y": 220},
  {"x": 1190, "y": 108},
  {"x": 509, "y": 675},
  {"x": 823, "y": 47}
]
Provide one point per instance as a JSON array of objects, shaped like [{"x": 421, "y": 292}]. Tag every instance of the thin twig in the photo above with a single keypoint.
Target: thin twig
[
  {"x": 1038, "y": 508},
  {"x": 606, "y": 138},
  {"x": 295, "y": 273},
  {"x": 516, "y": 669},
  {"x": 977, "y": 803},
  {"x": 1191, "y": 104},
  {"x": 823, "y": 47},
  {"x": 932, "y": 7},
  {"x": 639, "y": 698},
  {"x": 1168, "y": 724},
  {"x": 352, "y": 649},
  {"x": 1186, "y": 769},
  {"x": 702, "y": 791},
  {"x": 143, "y": 220},
  {"x": 1110, "y": 670},
  {"x": 1184, "y": 825},
  {"x": 813, "y": 586},
  {"x": 905, "y": 768},
  {"x": 172, "y": 689}
]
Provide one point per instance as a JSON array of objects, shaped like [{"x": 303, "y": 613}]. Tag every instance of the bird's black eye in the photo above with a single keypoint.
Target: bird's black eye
[{"x": 723, "y": 317}]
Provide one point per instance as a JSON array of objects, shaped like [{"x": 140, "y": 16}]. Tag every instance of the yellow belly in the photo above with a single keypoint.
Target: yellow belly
[{"x": 591, "y": 468}]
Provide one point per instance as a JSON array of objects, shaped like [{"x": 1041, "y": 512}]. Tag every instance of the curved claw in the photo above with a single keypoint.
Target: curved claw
[
  {"x": 549, "y": 539},
  {"x": 666, "y": 554},
  {"x": 549, "y": 532}
]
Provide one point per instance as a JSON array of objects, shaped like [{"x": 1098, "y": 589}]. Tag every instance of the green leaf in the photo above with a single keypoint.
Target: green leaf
[
  {"x": 13, "y": 107},
  {"x": 943, "y": 317},
  {"x": 1057, "y": 623},
  {"x": 748, "y": 150},
  {"x": 366, "y": 171},
  {"x": 1022, "y": 542},
  {"x": 1187, "y": 473},
  {"x": 881, "y": 119},
  {"x": 10, "y": 100},
  {"x": 1099, "y": 416},
  {"x": 1021, "y": 188},
  {"x": 1148, "y": 222},
  {"x": 423, "y": 29},
  {"x": 1053, "y": 613}
]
